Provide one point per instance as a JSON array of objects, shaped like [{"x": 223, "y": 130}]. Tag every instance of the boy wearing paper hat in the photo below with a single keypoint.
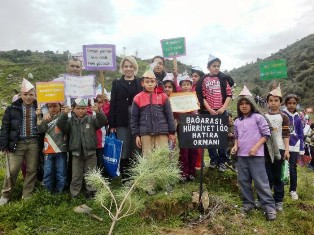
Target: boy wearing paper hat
[
  {"x": 81, "y": 129},
  {"x": 19, "y": 140},
  {"x": 279, "y": 124},
  {"x": 214, "y": 94}
]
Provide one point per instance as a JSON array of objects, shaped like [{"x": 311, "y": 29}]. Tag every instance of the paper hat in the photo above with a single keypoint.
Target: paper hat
[
  {"x": 81, "y": 102},
  {"x": 184, "y": 77},
  {"x": 211, "y": 57},
  {"x": 276, "y": 91},
  {"x": 196, "y": 68},
  {"x": 245, "y": 92},
  {"x": 149, "y": 72},
  {"x": 168, "y": 77},
  {"x": 26, "y": 86}
]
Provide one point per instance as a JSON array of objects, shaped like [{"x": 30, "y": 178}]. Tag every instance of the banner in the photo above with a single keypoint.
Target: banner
[
  {"x": 183, "y": 102},
  {"x": 274, "y": 69},
  {"x": 203, "y": 131},
  {"x": 50, "y": 92},
  {"x": 173, "y": 47},
  {"x": 83, "y": 87},
  {"x": 99, "y": 57}
]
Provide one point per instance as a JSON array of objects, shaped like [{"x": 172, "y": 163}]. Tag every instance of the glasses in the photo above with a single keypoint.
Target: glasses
[{"x": 75, "y": 66}]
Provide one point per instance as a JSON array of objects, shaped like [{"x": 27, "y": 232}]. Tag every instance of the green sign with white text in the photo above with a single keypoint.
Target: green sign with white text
[
  {"x": 173, "y": 47},
  {"x": 273, "y": 69}
]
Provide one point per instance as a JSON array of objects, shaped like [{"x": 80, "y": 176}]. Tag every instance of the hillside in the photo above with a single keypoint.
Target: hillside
[
  {"x": 44, "y": 66},
  {"x": 300, "y": 64}
]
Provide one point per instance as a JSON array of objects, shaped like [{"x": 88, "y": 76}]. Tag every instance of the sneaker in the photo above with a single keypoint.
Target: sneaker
[
  {"x": 191, "y": 178},
  {"x": 246, "y": 209},
  {"x": 279, "y": 206},
  {"x": 213, "y": 165},
  {"x": 271, "y": 215},
  {"x": 3, "y": 201},
  {"x": 222, "y": 167},
  {"x": 294, "y": 195}
]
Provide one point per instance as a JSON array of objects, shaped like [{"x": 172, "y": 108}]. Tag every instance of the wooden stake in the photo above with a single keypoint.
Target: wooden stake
[
  {"x": 175, "y": 64},
  {"x": 102, "y": 81}
]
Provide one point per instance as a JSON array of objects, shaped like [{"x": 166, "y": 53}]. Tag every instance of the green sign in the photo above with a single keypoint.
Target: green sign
[
  {"x": 273, "y": 69},
  {"x": 173, "y": 47}
]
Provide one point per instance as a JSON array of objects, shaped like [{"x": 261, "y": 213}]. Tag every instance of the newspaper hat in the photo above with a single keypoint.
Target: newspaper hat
[
  {"x": 26, "y": 86},
  {"x": 168, "y": 77},
  {"x": 81, "y": 102},
  {"x": 245, "y": 92},
  {"x": 276, "y": 91},
  {"x": 211, "y": 59},
  {"x": 149, "y": 72},
  {"x": 184, "y": 77}
]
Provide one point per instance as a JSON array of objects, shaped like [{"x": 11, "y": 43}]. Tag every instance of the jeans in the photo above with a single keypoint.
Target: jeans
[
  {"x": 218, "y": 156},
  {"x": 55, "y": 172},
  {"x": 293, "y": 170},
  {"x": 274, "y": 176}
]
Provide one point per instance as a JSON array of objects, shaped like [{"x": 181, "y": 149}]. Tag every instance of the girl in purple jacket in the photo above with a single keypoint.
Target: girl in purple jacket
[
  {"x": 296, "y": 144},
  {"x": 251, "y": 131}
]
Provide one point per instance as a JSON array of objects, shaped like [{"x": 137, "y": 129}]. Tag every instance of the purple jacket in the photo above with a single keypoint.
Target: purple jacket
[
  {"x": 296, "y": 141},
  {"x": 248, "y": 131}
]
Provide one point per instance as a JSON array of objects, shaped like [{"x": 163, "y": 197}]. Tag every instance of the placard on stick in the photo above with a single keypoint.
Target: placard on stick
[
  {"x": 99, "y": 57},
  {"x": 274, "y": 69},
  {"x": 50, "y": 92},
  {"x": 173, "y": 47},
  {"x": 203, "y": 131},
  {"x": 84, "y": 88}
]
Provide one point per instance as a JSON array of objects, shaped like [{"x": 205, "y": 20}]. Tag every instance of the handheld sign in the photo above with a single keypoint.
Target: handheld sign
[
  {"x": 80, "y": 87},
  {"x": 182, "y": 102},
  {"x": 173, "y": 47},
  {"x": 203, "y": 131},
  {"x": 50, "y": 92},
  {"x": 99, "y": 57},
  {"x": 273, "y": 69}
]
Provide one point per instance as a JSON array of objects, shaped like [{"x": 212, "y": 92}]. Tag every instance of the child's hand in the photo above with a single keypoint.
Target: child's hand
[
  {"x": 38, "y": 111},
  {"x": 67, "y": 109},
  {"x": 47, "y": 117},
  {"x": 221, "y": 111},
  {"x": 212, "y": 112},
  {"x": 286, "y": 155},
  {"x": 173, "y": 139},
  {"x": 234, "y": 150},
  {"x": 138, "y": 142},
  {"x": 253, "y": 151},
  {"x": 95, "y": 108}
]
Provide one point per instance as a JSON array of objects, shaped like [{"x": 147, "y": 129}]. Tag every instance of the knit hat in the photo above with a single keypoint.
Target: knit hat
[
  {"x": 26, "y": 86},
  {"x": 276, "y": 91},
  {"x": 149, "y": 72},
  {"x": 81, "y": 102}
]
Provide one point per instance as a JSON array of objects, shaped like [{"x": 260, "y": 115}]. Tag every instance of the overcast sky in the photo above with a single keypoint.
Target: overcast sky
[{"x": 235, "y": 31}]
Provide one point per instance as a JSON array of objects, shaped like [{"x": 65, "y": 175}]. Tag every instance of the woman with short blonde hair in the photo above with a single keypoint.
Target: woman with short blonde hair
[{"x": 132, "y": 60}]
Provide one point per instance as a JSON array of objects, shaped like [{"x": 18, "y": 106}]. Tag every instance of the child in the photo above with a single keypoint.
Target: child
[
  {"x": 152, "y": 121},
  {"x": 55, "y": 149},
  {"x": 310, "y": 137},
  {"x": 214, "y": 93},
  {"x": 169, "y": 86},
  {"x": 279, "y": 124},
  {"x": 19, "y": 140},
  {"x": 251, "y": 132},
  {"x": 188, "y": 156},
  {"x": 296, "y": 143},
  {"x": 81, "y": 129}
]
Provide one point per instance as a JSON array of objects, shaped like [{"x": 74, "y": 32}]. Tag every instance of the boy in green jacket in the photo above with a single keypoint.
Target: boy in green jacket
[{"x": 81, "y": 129}]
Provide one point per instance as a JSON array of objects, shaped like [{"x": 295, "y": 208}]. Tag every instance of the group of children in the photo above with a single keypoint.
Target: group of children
[{"x": 153, "y": 124}]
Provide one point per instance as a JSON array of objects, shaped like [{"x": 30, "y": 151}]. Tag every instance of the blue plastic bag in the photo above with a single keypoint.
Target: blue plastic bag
[{"x": 111, "y": 155}]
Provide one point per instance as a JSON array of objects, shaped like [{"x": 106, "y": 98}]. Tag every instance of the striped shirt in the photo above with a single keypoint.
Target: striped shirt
[{"x": 212, "y": 92}]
